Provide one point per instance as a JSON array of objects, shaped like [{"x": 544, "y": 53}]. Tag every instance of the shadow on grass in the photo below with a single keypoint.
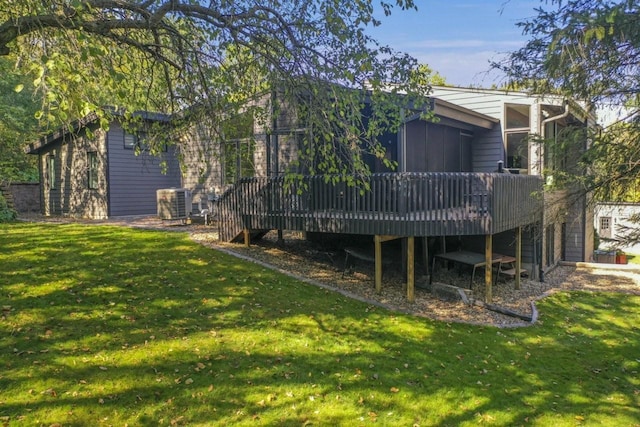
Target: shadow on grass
[{"x": 112, "y": 325}]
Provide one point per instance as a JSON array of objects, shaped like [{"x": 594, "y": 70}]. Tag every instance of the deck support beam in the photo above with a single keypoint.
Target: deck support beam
[
  {"x": 518, "y": 256},
  {"x": 425, "y": 255},
  {"x": 488, "y": 270},
  {"x": 378, "y": 255},
  {"x": 247, "y": 237},
  {"x": 378, "y": 239},
  {"x": 411, "y": 276}
]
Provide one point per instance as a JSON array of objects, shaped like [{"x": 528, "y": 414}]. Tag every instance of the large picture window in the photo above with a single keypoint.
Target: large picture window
[
  {"x": 518, "y": 150},
  {"x": 517, "y": 131},
  {"x": 239, "y": 147},
  {"x": 238, "y": 160}
]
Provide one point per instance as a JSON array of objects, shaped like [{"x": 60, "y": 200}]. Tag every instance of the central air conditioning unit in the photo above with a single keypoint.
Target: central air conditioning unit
[{"x": 174, "y": 203}]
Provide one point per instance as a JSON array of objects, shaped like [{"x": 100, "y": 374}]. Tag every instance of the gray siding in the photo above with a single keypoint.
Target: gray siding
[
  {"x": 133, "y": 180},
  {"x": 488, "y": 148},
  {"x": 71, "y": 194},
  {"x": 202, "y": 170}
]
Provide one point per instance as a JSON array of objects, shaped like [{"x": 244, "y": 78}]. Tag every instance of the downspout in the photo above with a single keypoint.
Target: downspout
[
  {"x": 107, "y": 173},
  {"x": 542, "y": 132},
  {"x": 402, "y": 143}
]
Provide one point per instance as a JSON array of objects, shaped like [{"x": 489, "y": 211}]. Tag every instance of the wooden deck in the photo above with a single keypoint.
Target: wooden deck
[
  {"x": 387, "y": 206},
  {"x": 401, "y": 204}
]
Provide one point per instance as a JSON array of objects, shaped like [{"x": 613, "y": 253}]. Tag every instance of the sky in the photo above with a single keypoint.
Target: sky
[{"x": 458, "y": 38}]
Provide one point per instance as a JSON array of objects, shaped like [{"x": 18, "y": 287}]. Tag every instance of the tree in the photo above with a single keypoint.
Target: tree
[
  {"x": 589, "y": 50},
  {"x": 167, "y": 55},
  {"x": 17, "y": 125}
]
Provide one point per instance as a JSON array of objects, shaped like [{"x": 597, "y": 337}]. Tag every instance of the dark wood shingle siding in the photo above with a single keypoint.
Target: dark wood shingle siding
[
  {"x": 71, "y": 194},
  {"x": 133, "y": 180}
]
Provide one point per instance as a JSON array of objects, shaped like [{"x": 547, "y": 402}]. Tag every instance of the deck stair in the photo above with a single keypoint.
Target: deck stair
[{"x": 254, "y": 236}]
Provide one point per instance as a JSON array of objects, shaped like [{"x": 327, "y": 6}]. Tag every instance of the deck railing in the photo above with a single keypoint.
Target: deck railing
[{"x": 410, "y": 204}]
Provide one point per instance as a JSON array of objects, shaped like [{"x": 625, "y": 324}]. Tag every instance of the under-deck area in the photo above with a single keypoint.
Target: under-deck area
[{"x": 387, "y": 206}]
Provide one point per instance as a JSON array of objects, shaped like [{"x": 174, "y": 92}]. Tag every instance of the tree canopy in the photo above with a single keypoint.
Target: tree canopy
[
  {"x": 589, "y": 50},
  {"x": 168, "y": 55},
  {"x": 17, "y": 125}
]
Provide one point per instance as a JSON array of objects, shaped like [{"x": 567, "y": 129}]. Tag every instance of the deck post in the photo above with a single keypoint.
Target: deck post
[
  {"x": 518, "y": 256},
  {"x": 411, "y": 269},
  {"x": 247, "y": 237},
  {"x": 488, "y": 269},
  {"x": 425, "y": 255},
  {"x": 378, "y": 255}
]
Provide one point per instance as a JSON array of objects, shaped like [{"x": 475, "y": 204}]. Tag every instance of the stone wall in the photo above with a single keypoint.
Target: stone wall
[{"x": 24, "y": 195}]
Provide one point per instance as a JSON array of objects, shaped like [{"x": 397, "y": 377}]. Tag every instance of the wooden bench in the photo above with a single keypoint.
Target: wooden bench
[
  {"x": 509, "y": 261},
  {"x": 367, "y": 255}
]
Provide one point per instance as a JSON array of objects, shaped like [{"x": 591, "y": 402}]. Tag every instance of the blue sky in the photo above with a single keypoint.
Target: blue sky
[{"x": 457, "y": 38}]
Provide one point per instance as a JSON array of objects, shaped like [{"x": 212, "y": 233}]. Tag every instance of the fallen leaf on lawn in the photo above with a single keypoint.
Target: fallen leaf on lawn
[
  {"x": 188, "y": 381},
  {"x": 394, "y": 389},
  {"x": 103, "y": 368}
]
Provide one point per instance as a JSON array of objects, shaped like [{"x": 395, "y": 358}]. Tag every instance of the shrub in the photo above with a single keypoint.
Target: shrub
[{"x": 6, "y": 214}]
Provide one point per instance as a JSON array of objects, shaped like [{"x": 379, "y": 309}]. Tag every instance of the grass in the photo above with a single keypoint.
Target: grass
[
  {"x": 633, "y": 258},
  {"x": 114, "y": 326}
]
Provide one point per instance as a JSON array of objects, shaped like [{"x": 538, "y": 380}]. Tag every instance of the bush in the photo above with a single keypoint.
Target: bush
[{"x": 6, "y": 214}]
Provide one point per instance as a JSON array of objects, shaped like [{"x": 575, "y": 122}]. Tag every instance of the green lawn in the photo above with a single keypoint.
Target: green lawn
[
  {"x": 633, "y": 258},
  {"x": 114, "y": 326}
]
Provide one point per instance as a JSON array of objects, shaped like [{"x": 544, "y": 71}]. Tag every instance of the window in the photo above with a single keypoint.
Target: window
[
  {"x": 605, "y": 226},
  {"x": 516, "y": 136},
  {"x": 130, "y": 141},
  {"x": 238, "y": 160},
  {"x": 517, "y": 116},
  {"x": 136, "y": 142},
  {"x": 239, "y": 148},
  {"x": 92, "y": 161},
  {"x": 518, "y": 150},
  {"x": 51, "y": 172}
]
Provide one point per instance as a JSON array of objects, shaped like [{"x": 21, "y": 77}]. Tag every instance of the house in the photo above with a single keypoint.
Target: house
[
  {"x": 89, "y": 172},
  {"x": 471, "y": 179},
  {"x": 614, "y": 221}
]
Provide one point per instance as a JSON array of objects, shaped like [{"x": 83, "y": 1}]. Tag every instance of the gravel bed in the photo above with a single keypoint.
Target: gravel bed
[{"x": 297, "y": 256}]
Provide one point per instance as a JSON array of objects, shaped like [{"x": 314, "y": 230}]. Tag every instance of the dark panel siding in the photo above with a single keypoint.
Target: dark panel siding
[
  {"x": 133, "y": 180},
  {"x": 416, "y": 133},
  {"x": 575, "y": 233}
]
